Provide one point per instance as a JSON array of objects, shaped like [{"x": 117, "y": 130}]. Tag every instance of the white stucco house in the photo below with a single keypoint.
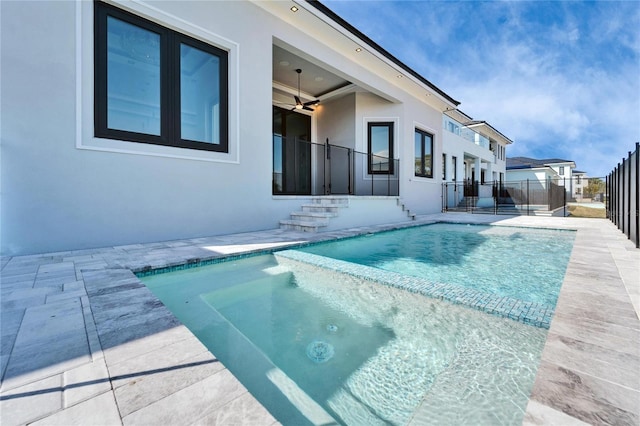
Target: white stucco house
[
  {"x": 579, "y": 183},
  {"x": 555, "y": 170},
  {"x": 473, "y": 151},
  {"x": 127, "y": 122}
]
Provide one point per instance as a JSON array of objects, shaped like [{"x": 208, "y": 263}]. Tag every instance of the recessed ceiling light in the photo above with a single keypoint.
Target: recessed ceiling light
[
  {"x": 428, "y": 94},
  {"x": 358, "y": 49},
  {"x": 399, "y": 76},
  {"x": 294, "y": 9},
  {"x": 284, "y": 63}
]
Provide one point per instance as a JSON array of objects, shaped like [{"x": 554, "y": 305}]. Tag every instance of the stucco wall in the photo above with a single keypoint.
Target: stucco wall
[
  {"x": 58, "y": 197},
  {"x": 63, "y": 189}
]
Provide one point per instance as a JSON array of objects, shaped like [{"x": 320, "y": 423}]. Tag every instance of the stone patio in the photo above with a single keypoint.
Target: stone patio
[{"x": 84, "y": 342}]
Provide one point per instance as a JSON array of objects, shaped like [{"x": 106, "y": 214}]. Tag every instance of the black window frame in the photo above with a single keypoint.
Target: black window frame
[
  {"x": 444, "y": 166},
  {"x": 423, "y": 173},
  {"x": 370, "y": 156},
  {"x": 170, "y": 102}
]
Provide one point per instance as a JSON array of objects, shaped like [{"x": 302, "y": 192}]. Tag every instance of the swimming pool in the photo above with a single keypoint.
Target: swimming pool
[
  {"x": 521, "y": 263},
  {"x": 320, "y": 346}
]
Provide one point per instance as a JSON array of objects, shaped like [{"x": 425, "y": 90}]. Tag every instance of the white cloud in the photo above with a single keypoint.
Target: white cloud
[{"x": 561, "y": 79}]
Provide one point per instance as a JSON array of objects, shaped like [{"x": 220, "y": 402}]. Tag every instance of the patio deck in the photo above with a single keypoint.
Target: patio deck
[{"x": 84, "y": 342}]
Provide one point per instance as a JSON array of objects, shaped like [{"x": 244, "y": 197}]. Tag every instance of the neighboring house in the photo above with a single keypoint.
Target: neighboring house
[
  {"x": 474, "y": 151},
  {"x": 552, "y": 169},
  {"x": 580, "y": 182},
  {"x": 129, "y": 122}
]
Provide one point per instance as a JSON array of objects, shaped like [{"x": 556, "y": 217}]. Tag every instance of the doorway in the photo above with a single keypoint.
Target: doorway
[{"x": 291, "y": 152}]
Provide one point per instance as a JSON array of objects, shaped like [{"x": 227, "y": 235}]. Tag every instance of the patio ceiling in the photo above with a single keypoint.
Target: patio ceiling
[{"x": 315, "y": 81}]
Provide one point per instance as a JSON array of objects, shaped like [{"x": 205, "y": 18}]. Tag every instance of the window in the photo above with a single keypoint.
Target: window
[
  {"x": 423, "y": 154},
  {"x": 561, "y": 172},
  {"x": 454, "y": 175},
  {"x": 453, "y": 128},
  {"x": 154, "y": 85},
  {"x": 444, "y": 166},
  {"x": 380, "y": 137}
]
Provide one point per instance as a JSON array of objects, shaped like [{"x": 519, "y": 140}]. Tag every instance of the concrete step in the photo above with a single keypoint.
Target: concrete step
[
  {"x": 404, "y": 208},
  {"x": 331, "y": 201},
  {"x": 323, "y": 208},
  {"x": 302, "y": 225},
  {"x": 313, "y": 216}
]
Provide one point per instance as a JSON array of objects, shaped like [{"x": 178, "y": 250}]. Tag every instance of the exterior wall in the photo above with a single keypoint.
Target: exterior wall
[
  {"x": 58, "y": 197},
  {"x": 421, "y": 195},
  {"x": 533, "y": 175},
  {"x": 565, "y": 178},
  {"x": 580, "y": 181},
  {"x": 459, "y": 147},
  {"x": 336, "y": 121},
  {"x": 63, "y": 189}
]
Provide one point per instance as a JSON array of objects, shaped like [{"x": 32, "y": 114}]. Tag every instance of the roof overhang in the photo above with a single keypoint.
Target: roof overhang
[
  {"x": 488, "y": 130},
  {"x": 323, "y": 25}
]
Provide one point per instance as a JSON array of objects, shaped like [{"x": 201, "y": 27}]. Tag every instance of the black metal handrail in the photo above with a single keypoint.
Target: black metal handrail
[
  {"x": 302, "y": 167},
  {"x": 513, "y": 197}
]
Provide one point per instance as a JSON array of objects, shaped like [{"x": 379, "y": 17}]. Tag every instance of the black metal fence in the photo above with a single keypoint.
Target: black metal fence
[
  {"x": 301, "y": 167},
  {"x": 623, "y": 203},
  {"x": 516, "y": 197}
]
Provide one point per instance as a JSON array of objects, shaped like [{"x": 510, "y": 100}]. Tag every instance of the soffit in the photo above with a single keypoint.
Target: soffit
[
  {"x": 310, "y": 21},
  {"x": 315, "y": 81}
]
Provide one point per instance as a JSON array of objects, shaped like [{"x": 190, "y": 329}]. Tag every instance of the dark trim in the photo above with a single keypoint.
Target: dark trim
[
  {"x": 353, "y": 30},
  {"x": 390, "y": 126},
  {"x": 170, "y": 108},
  {"x": 423, "y": 140}
]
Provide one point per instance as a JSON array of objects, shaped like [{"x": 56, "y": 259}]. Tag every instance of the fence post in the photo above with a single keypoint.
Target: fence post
[
  {"x": 564, "y": 200},
  {"x": 629, "y": 197},
  {"x": 549, "y": 193},
  {"x": 608, "y": 191},
  {"x": 637, "y": 196},
  {"x": 618, "y": 196},
  {"x": 527, "y": 197}
]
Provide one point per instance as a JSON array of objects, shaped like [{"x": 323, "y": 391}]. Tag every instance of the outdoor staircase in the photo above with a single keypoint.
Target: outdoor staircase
[{"x": 323, "y": 213}]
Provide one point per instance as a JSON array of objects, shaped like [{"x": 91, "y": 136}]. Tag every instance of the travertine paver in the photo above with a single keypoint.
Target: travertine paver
[{"x": 84, "y": 342}]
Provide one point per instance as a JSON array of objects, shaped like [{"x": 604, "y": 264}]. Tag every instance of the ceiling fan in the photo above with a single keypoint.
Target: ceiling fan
[{"x": 299, "y": 103}]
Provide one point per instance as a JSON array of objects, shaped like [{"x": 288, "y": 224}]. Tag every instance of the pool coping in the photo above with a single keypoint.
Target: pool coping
[{"x": 113, "y": 354}]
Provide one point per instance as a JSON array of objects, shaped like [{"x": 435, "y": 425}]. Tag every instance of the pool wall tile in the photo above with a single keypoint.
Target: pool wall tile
[{"x": 529, "y": 313}]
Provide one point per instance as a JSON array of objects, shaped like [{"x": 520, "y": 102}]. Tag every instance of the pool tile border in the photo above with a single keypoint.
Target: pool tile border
[{"x": 530, "y": 313}]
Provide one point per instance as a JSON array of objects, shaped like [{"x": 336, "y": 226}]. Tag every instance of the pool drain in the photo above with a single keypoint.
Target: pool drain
[
  {"x": 332, "y": 328},
  {"x": 319, "y": 351}
]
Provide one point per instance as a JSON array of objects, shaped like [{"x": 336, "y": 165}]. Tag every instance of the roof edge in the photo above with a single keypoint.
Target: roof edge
[
  {"x": 475, "y": 123},
  {"x": 354, "y": 31}
]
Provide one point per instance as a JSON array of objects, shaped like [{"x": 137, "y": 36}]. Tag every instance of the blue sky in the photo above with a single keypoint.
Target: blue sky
[{"x": 559, "y": 78}]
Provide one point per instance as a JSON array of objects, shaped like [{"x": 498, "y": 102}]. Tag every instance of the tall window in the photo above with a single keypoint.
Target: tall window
[
  {"x": 454, "y": 175},
  {"x": 423, "y": 154},
  {"x": 444, "y": 166},
  {"x": 380, "y": 137},
  {"x": 561, "y": 172},
  {"x": 154, "y": 85}
]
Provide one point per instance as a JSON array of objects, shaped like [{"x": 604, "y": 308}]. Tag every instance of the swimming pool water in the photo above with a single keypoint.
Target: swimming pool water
[
  {"x": 321, "y": 347},
  {"x": 522, "y": 263}
]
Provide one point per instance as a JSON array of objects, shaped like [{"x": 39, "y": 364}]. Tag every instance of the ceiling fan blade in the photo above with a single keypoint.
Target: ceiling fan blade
[
  {"x": 310, "y": 103},
  {"x": 298, "y": 101},
  {"x": 307, "y": 108}
]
